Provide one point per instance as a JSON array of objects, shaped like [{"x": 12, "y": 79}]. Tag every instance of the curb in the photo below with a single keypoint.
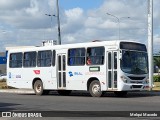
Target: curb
[{"x": 20, "y": 91}]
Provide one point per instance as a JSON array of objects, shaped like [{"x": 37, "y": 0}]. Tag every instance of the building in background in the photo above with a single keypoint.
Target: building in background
[{"x": 2, "y": 62}]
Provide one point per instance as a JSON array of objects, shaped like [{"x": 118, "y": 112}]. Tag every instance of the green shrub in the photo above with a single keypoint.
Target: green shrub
[
  {"x": 156, "y": 78},
  {"x": 2, "y": 80}
]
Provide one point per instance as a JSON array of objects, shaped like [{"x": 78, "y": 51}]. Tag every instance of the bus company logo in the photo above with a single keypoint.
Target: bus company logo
[
  {"x": 70, "y": 73},
  {"x": 78, "y": 73},
  {"x": 37, "y": 72},
  {"x": 74, "y": 73},
  {"x": 18, "y": 76},
  {"x": 10, "y": 75}
]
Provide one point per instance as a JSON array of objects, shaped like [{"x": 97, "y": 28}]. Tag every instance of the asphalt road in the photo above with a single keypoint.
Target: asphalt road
[{"x": 136, "y": 101}]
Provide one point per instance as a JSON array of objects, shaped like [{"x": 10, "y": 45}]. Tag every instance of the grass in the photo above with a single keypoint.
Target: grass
[
  {"x": 3, "y": 85},
  {"x": 157, "y": 86}
]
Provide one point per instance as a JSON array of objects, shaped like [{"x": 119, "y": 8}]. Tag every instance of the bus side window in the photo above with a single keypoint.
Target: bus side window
[
  {"x": 76, "y": 56},
  {"x": 71, "y": 61},
  {"x": 44, "y": 58},
  {"x": 15, "y": 60},
  {"x": 30, "y": 59},
  {"x": 95, "y": 56},
  {"x": 88, "y": 61}
]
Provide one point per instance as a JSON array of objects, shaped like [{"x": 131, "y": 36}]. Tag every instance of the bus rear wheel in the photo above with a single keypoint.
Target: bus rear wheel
[
  {"x": 38, "y": 87},
  {"x": 64, "y": 92},
  {"x": 95, "y": 89}
]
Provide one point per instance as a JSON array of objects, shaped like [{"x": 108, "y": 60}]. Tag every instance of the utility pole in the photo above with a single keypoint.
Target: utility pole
[
  {"x": 150, "y": 41},
  {"x": 58, "y": 22},
  {"x": 118, "y": 19}
]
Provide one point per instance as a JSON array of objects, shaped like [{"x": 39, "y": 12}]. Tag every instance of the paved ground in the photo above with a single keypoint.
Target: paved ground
[
  {"x": 22, "y": 100},
  {"x": 17, "y": 91}
]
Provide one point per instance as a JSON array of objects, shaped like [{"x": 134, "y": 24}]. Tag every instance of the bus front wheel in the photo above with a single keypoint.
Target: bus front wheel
[
  {"x": 38, "y": 87},
  {"x": 95, "y": 89}
]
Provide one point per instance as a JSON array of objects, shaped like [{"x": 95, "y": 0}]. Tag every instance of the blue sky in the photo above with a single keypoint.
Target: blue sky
[
  {"x": 23, "y": 22},
  {"x": 85, "y": 4}
]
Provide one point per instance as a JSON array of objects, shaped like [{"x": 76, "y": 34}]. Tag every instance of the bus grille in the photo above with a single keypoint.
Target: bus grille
[
  {"x": 137, "y": 82},
  {"x": 136, "y": 86},
  {"x": 136, "y": 78}
]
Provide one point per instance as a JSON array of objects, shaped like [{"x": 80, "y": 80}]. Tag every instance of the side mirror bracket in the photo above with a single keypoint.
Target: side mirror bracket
[{"x": 120, "y": 55}]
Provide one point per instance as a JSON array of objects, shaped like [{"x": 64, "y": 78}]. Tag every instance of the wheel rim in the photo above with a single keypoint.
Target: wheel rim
[
  {"x": 38, "y": 88},
  {"x": 96, "y": 89}
]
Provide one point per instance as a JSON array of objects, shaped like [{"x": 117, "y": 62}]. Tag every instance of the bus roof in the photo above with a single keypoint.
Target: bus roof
[
  {"x": 66, "y": 46},
  {"x": 18, "y": 47}
]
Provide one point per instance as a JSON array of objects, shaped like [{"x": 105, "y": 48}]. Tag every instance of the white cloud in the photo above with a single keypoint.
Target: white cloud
[
  {"x": 93, "y": 22},
  {"x": 34, "y": 8},
  {"x": 74, "y": 14},
  {"x": 27, "y": 23},
  {"x": 69, "y": 38},
  {"x": 7, "y": 5},
  {"x": 72, "y": 21},
  {"x": 156, "y": 43},
  {"x": 52, "y": 6}
]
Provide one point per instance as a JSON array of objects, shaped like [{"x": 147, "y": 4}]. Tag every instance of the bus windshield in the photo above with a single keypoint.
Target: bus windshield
[{"x": 134, "y": 62}]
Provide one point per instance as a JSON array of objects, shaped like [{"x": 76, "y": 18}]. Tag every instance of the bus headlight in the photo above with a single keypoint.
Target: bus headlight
[
  {"x": 124, "y": 79},
  {"x": 147, "y": 81}
]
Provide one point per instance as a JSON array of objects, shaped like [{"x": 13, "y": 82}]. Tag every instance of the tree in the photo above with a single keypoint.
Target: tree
[{"x": 156, "y": 63}]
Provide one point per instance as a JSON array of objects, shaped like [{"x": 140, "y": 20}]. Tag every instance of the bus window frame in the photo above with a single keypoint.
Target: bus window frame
[
  {"x": 68, "y": 58},
  {"x": 35, "y": 59},
  {"x": 51, "y": 57},
  {"x": 88, "y": 56},
  {"x": 16, "y": 60}
]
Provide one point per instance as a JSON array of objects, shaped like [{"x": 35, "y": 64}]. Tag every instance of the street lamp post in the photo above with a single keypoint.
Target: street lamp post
[
  {"x": 58, "y": 22},
  {"x": 51, "y": 18},
  {"x": 118, "y": 19},
  {"x": 118, "y": 23}
]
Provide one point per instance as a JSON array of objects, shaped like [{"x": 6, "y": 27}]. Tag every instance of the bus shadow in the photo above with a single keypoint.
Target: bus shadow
[
  {"x": 133, "y": 94},
  {"x": 107, "y": 94},
  {"x": 111, "y": 94},
  {"x": 142, "y": 94}
]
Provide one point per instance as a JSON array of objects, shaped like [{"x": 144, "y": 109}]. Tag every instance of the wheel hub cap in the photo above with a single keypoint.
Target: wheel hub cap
[{"x": 96, "y": 89}]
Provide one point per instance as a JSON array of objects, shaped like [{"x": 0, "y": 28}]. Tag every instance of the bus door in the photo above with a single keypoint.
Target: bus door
[
  {"x": 61, "y": 71},
  {"x": 112, "y": 70}
]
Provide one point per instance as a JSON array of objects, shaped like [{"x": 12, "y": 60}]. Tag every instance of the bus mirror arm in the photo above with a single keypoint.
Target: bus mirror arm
[{"x": 120, "y": 56}]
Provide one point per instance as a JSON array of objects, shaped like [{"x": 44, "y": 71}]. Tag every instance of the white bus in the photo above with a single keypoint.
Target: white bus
[{"x": 97, "y": 67}]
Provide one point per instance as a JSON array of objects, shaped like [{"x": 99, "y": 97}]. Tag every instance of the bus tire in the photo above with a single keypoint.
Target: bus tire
[
  {"x": 95, "y": 89},
  {"x": 38, "y": 87},
  {"x": 64, "y": 92},
  {"x": 120, "y": 93}
]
